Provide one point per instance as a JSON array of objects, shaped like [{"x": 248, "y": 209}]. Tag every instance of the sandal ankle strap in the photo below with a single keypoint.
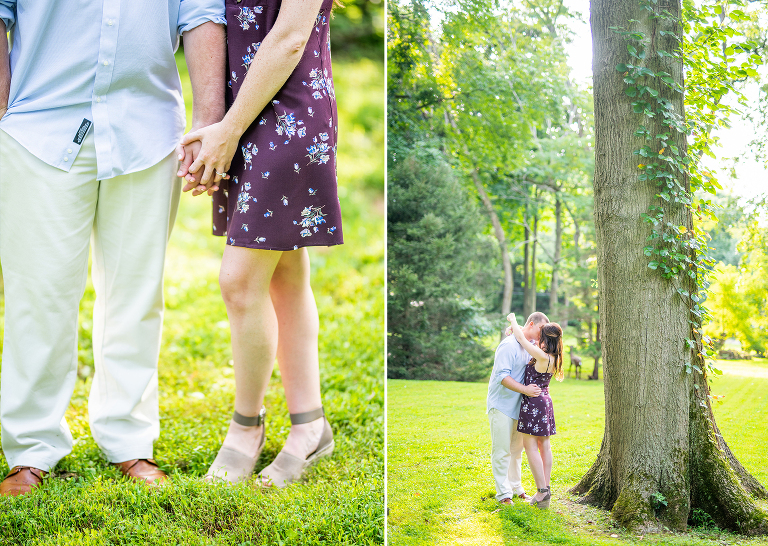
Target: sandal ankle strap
[
  {"x": 255, "y": 421},
  {"x": 307, "y": 416},
  {"x": 545, "y": 490}
]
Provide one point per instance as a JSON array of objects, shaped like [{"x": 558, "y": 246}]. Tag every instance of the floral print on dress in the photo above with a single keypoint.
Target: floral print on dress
[
  {"x": 321, "y": 83},
  {"x": 536, "y": 414},
  {"x": 311, "y": 217},
  {"x": 286, "y": 125},
  {"x": 247, "y": 16},
  {"x": 249, "y": 150},
  {"x": 243, "y": 202},
  {"x": 249, "y": 55},
  {"x": 318, "y": 152},
  {"x": 286, "y": 196}
]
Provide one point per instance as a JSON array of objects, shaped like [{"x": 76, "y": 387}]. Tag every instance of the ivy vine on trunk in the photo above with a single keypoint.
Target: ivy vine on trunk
[{"x": 662, "y": 455}]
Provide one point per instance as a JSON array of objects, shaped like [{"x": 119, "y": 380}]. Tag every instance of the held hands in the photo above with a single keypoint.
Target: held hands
[
  {"x": 206, "y": 154},
  {"x": 187, "y": 154}
]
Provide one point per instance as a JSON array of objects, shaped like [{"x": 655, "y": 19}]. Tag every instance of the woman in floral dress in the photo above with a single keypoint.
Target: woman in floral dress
[
  {"x": 537, "y": 417},
  {"x": 271, "y": 166}
]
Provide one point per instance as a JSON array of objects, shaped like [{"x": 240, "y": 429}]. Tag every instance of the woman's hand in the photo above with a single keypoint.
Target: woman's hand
[
  {"x": 511, "y": 318},
  {"x": 218, "y": 145}
]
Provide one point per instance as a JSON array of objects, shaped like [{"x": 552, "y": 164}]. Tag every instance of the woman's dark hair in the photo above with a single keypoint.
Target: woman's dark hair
[{"x": 551, "y": 342}]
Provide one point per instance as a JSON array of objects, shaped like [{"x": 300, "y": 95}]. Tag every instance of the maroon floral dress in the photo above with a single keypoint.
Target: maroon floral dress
[
  {"x": 537, "y": 416},
  {"x": 282, "y": 193}
]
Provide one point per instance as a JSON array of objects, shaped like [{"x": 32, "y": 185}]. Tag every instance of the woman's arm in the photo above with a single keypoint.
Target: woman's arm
[
  {"x": 530, "y": 348},
  {"x": 273, "y": 63}
]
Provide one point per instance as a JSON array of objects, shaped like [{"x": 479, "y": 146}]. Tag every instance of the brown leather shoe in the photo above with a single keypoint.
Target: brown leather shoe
[
  {"x": 506, "y": 501},
  {"x": 143, "y": 470},
  {"x": 20, "y": 480},
  {"x": 526, "y": 498}
]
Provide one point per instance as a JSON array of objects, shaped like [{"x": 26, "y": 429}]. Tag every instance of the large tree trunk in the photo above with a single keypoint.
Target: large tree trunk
[
  {"x": 660, "y": 437},
  {"x": 554, "y": 283},
  {"x": 498, "y": 231}
]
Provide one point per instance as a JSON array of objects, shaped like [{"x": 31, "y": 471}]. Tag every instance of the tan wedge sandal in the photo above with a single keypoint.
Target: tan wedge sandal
[
  {"x": 287, "y": 468},
  {"x": 542, "y": 504},
  {"x": 232, "y": 466}
]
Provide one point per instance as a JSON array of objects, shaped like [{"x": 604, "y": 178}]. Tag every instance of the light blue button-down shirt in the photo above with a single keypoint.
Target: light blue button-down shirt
[
  {"x": 510, "y": 360},
  {"x": 101, "y": 65}
]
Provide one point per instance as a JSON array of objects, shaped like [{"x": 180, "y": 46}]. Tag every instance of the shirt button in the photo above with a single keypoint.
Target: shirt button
[
  {"x": 66, "y": 159},
  {"x": 69, "y": 151},
  {"x": 98, "y": 99},
  {"x": 106, "y": 63},
  {"x": 109, "y": 22}
]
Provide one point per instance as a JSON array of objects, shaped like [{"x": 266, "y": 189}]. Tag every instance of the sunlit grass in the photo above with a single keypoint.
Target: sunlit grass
[
  {"x": 439, "y": 478},
  {"x": 341, "y": 502}
]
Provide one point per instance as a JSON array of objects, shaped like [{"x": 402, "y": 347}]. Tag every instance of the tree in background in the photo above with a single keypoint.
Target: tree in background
[
  {"x": 739, "y": 293},
  {"x": 437, "y": 258},
  {"x": 358, "y": 29},
  {"x": 490, "y": 91},
  {"x": 662, "y": 454}
]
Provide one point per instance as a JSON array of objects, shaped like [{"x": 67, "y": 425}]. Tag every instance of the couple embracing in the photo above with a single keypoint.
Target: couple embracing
[
  {"x": 92, "y": 116},
  {"x": 520, "y": 409}
]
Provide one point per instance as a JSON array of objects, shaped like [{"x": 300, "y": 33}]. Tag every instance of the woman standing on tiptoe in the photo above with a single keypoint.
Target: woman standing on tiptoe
[
  {"x": 537, "y": 416},
  {"x": 273, "y": 161}
]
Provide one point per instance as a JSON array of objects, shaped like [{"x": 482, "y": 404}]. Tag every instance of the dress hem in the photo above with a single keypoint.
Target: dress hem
[{"x": 295, "y": 247}]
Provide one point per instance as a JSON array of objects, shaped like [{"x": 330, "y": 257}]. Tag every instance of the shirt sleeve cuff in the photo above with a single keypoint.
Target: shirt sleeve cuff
[
  {"x": 219, "y": 19},
  {"x": 8, "y": 17}
]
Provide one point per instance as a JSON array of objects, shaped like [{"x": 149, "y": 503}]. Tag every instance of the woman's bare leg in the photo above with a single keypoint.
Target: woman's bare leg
[
  {"x": 298, "y": 327},
  {"x": 531, "y": 444},
  {"x": 545, "y": 449},
  {"x": 244, "y": 278}
]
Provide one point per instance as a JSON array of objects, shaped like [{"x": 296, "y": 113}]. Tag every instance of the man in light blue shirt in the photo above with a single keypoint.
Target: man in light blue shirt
[
  {"x": 505, "y": 390},
  {"x": 92, "y": 110}
]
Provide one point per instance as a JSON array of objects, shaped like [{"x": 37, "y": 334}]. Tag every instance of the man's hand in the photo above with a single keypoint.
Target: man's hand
[
  {"x": 532, "y": 391},
  {"x": 187, "y": 154}
]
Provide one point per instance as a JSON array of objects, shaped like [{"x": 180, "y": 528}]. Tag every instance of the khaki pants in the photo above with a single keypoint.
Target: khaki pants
[
  {"x": 506, "y": 455},
  {"x": 48, "y": 219}
]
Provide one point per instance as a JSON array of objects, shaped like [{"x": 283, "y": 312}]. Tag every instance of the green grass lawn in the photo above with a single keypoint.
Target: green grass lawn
[
  {"x": 341, "y": 502},
  {"x": 440, "y": 488}
]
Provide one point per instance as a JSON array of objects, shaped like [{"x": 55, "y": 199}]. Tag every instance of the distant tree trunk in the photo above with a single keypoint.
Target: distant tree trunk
[
  {"x": 498, "y": 231},
  {"x": 553, "y": 285},
  {"x": 660, "y": 434},
  {"x": 532, "y": 277},
  {"x": 527, "y": 309},
  {"x": 596, "y": 371}
]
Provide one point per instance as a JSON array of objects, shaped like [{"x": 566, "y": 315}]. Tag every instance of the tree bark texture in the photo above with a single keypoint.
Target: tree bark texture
[
  {"x": 498, "y": 231},
  {"x": 660, "y": 438}
]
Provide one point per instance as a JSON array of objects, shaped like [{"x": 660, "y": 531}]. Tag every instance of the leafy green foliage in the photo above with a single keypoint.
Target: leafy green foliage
[
  {"x": 715, "y": 59},
  {"x": 358, "y": 30},
  {"x": 86, "y": 502},
  {"x": 436, "y": 258},
  {"x": 489, "y": 88},
  {"x": 739, "y": 294}
]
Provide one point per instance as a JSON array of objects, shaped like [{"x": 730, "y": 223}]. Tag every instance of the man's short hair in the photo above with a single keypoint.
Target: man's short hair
[{"x": 537, "y": 317}]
